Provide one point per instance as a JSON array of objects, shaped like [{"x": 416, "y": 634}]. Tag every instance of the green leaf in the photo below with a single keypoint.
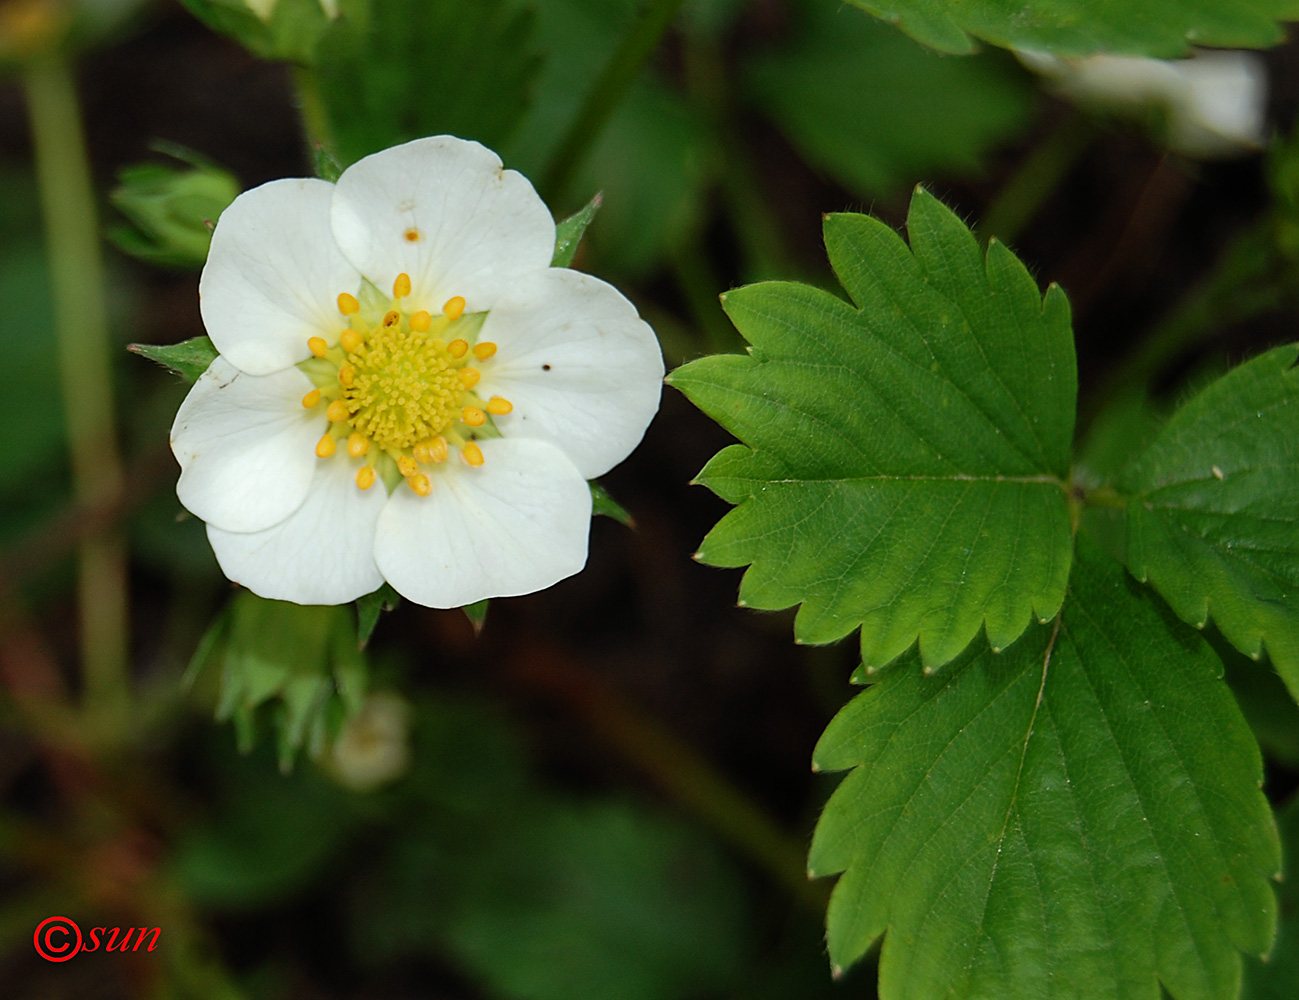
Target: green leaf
[
  {"x": 903, "y": 462},
  {"x": 426, "y": 67},
  {"x": 189, "y": 359},
  {"x": 602, "y": 504},
  {"x": 1163, "y": 28},
  {"x": 1213, "y": 506},
  {"x": 1275, "y": 977},
  {"x": 941, "y": 115},
  {"x": 1077, "y": 816},
  {"x": 568, "y": 234}
]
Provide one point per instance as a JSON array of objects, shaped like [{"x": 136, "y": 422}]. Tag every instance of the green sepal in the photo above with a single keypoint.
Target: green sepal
[
  {"x": 368, "y": 609},
  {"x": 189, "y": 359},
  {"x": 568, "y": 234},
  {"x": 477, "y": 614},
  {"x": 602, "y": 504}
]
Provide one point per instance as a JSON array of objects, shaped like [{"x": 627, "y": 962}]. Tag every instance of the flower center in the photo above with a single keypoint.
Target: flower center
[
  {"x": 399, "y": 389},
  {"x": 405, "y": 387}
]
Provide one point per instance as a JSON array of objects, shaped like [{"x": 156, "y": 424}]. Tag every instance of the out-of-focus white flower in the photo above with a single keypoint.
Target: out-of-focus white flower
[
  {"x": 437, "y": 434},
  {"x": 1213, "y": 104},
  {"x": 373, "y": 747}
]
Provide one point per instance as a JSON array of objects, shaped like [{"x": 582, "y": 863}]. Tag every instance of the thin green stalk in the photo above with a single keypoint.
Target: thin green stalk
[
  {"x": 80, "y": 326},
  {"x": 1021, "y": 197},
  {"x": 606, "y": 94},
  {"x": 315, "y": 120}
]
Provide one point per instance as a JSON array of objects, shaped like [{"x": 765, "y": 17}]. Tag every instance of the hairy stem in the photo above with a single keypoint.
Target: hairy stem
[
  {"x": 606, "y": 94},
  {"x": 80, "y": 326}
]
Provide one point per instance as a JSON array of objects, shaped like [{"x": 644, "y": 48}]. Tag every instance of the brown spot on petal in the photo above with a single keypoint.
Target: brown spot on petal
[{"x": 413, "y": 235}]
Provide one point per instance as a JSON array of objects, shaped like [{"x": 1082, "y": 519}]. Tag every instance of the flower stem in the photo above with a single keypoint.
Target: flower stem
[
  {"x": 80, "y": 321},
  {"x": 315, "y": 121},
  {"x": 606, "y": 94}
]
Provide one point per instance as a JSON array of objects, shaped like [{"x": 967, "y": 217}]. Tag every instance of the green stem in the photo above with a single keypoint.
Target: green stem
[
  {"x": 606, "y": 94},
  {"x": 1021, "y": 197},
  {"x": 315, "y": 120},
  {"x": 80, "y": 325}
]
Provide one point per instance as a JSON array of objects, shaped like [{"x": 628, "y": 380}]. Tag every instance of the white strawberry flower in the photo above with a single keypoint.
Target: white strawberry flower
[{"x": 406, "y": 389}]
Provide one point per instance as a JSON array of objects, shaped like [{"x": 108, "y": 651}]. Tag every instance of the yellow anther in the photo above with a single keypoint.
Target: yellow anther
[
  {"x": 499, "y": 405},
  {"x": 473, "y": 416},
  {"x": 346, "y": 375},
  {"x": 421, "y": 321},
  {"x": 317, "y": 346},
  {"x": 325, "y": 446},
  {"x": 454, "y": 308},
  {"x": 407, "y": 466},
  {"x": 365, "y": 476},
  {"x": 457, "y": 348},
  {"x": 401, "y": 287},
  {"x": 348, "y": 305},
  {"x": 484, "y": 350},
  {"x": 357, "y": 445},
  {"x": 420, "y": 484},
  {"x": 391, "y": 318},
  {"x": 471, "y": 454},
  {"x": 470, "y": 377},
  {"x": 351, "y": 340},
  {"x": 432, "y": 451},
  {"x": 311, "y": 398},
  {"x": 337, "y": 411}
]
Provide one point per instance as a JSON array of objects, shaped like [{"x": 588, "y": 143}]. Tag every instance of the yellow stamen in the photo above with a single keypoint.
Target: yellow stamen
[
  {"x": 484, "y": 350},
  {"x": 473, "y": 416},
  {"x": 454, "y": 308},
  {"x": 317, "y": 346},
  {"x": 337, "y": 411},
  {"x": 365, "y": 476},
  {"x": 421, "y": 321},
  {"x": 346, "y": 375},
  {"x": 470, "y": 377},
  {"x": 401, "y": 287},
  {"x": 407, "y": 466},
  {"x": 457, "y": 348},
  {"x": 351, "y": 340},
  {"x": 471, "y": 454},
  {"x": 499, "y": 405},
  {"x": 325, "y": 446},
  {"x": 391, "y": 318},
  {"x": 420, "y": 484},
  {"x": 432, "y": 451},
  {"x": 348, "y": 305},
  {"x": 311, "y": 398},
  {"x": 357, "y": 444}
]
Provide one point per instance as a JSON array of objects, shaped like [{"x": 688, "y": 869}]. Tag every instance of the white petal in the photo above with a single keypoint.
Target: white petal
[
  {"x": 445, "y": 212},
  {"x": 273, "y": 276},
  {"x": 581, "y": 368},
  {"x": 322, "y": 553},
  {"x": 517, "y": 524},
  {"x": 246, "y": 446}
]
